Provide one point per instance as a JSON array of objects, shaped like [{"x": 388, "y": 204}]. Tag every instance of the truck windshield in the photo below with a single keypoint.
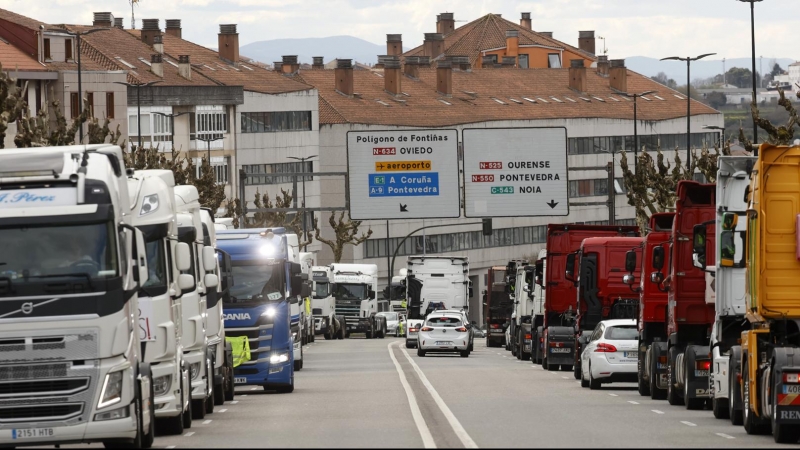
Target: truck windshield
[
  {"x": 157, "y": 266},
  {"x": 344, "y": 291},
  {"x": 35, "y": 253},
  {"x": 256, "y": 282},
  {"x": 321, "y": 290}
]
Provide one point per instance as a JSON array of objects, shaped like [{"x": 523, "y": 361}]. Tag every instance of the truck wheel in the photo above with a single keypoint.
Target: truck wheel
[
  {"x": 750, "y": 421},
  {"x": 734, "y": 391},
  {"x": 383, "y": 330},
  {"x": 720, "y": 407},
  {"x": 409, "y": 344},
  {"x": 198, "y": 409},
  {"x": 210, "y": 382},
  {"x": 644, "y": 387},
  {"x": 688, "y": 365},
  {"x": 656, "y": 393},
  {"x": 298, "y": 363},
  {"x": 672, "y": 393},
  {"x": 327, "y": 335}
]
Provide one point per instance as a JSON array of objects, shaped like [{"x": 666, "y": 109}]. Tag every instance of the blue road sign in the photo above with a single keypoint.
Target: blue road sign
[{"x": 404, "y": 184}]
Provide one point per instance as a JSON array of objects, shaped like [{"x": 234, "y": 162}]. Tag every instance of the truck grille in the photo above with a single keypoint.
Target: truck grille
[
  {"x": 260, "y": 338},
  {"x": 626, "y": 308},
  {"x": 348, "y": 308},
  {"x": 40, "y": 412},
  {"x": 60, "y": 386},
  {"x": 33, "y": 371}
]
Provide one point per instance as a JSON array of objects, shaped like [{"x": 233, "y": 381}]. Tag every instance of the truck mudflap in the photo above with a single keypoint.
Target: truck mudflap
[
  {"x": 358, "y": 324},
  {"x": 560, "y": 346},
  {"x": 786, "y": 379},
  {"x": 525, "y": 331},
  {"x": 657, "y": 364},
  {"x": 695, "y": 370}
]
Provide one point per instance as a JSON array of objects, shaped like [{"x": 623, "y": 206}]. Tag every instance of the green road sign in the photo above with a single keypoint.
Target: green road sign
[{"x": 502, "y": 189}]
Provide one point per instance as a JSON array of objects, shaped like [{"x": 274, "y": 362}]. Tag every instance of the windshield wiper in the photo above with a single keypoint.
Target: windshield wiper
[{"x": 58, "y": 275}]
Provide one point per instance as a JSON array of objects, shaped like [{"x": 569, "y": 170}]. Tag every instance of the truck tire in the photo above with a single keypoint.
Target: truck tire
[
  {"x": 230, "y": 384},
  {"x": 368, "y": 333},
  {"x": 688, "y": 364},
  {"x": 750, "y": 421},
  {"x": 656, "y": 393},
  {"x": 382, "y": 334},
  {"x": 643, "y": 385},
  {"x": 298, "y": 363},
  {"x": 720, "y": 408},
  {"x": 576, "y": 371},
  {"x": 522, "y": 355},
  {"x": 734, "y": 388},
  {"x": 672, "y": 393},
  {"x": 198, "y": 409},
  {"x": 210, "y": 381},
  {"x": 342, "y": 325},
  {"x": 409, "y": 344}
]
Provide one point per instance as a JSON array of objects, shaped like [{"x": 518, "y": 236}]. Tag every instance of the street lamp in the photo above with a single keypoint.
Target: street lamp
[
  {"x": 302, "y": 163},
  {"x": 721, "y": 133},
  {"x": 753, "y": 42},
  {"x": 209, "y": 140},
  {"x": 78, "y": 35},
  {"x": 138, "y": 87},
  {"x": 172, "y": 126},
  {"x": 635, "y": 127},
  {"x": 688, "y": 102}
]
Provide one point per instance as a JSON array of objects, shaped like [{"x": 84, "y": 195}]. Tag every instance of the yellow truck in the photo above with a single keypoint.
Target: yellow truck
[{"x": 770, "y": 356}]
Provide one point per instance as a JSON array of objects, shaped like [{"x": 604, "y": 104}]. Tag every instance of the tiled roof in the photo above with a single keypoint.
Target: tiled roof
[
  {"x": 14, "y": 59},
  {"x": 489, "y": 32},
  {"x": 208, "y": 62},
  {"x": 491, "y": 95},
  {"x": 21, "y": 20}
]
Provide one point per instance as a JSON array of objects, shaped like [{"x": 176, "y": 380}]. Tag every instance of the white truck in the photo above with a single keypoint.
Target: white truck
[
  {"x": 160, "y": 324},
  {"x": 71, "y": 267},
  {"x": 519, "y": 275},
  {"x": 296, "y": 308},
  {"x": 323, "y": 305},
  {"x": 306, "y": 263},
  {"x": 197, "y": 353},
  {"x": 537, "y": 314},
  {"x": 221, "y": 351},
  {"x": 355, "y": 292}
]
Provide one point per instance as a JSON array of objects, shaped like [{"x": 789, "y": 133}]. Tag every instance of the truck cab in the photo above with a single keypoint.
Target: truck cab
[
  {"x": 537, "y": 314},
  {"x": 306, "y": 263},
  {"x": 355, "y": 292},
  {"x": 323, "y": 304},
  {"x": 498, "y": 305}
]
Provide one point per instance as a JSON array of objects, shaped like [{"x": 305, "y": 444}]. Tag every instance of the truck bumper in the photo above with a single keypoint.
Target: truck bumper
[
  {"x": 268, "y": 374},
  {"x": 199, "y": 381},
  {"x": 168, "y": 404},
  {"x": 358, "y": 325}
]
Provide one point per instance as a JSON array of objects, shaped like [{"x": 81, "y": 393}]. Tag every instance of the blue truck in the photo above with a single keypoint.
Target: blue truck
[{"x": 264, "y": 283}]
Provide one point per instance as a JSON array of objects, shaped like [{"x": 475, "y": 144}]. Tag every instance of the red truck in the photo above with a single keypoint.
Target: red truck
[
  {"x": 602, "y": 292},
  {"x": 498, "y": 307},
  {"x": 560, "y": 310},
  {"x": 690, "y": 310},
  {"x": 652, "y": 320}
]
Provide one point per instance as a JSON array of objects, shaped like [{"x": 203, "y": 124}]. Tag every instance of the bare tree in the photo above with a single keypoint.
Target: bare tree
[{"x": 345, "y": 232}]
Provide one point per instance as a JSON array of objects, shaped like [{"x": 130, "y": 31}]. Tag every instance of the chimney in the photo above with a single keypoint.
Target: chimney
[
  {"x": 445, "y": 23},
  {"x": 158, "y": 44},
  {"x": 424, "y": 61},
  {"x": 228, "y": 40},
  {"x": 174, "y": 28},
  {"x": 577, "y": 75},
  {"x": 344, "y": 76},
  {"x": 618, "y": 75},
  {"x": 118, "y": 23},
  {"x": 290, "y": 65},
  {"x": 487, "y": 61},
  {"x": 184, "y": 67},
  {"x": 150, "y": 30},
  {"x": 394, "y": 44},
  {"x": 278, "y": 66},
  {"x": 381, "y": 60},
  {"x": 461, "y": 63},
  {"x": 547, "y": 34},
  {"x": 444, "y": 78},
  {"x": 392, "y": 75},
  {"x": 103, "y": 20},
  {"x": 318, "y": 64},
  {"x": 586, "y": 41},
  {"x": 525, "y": 21},
  {"x": 411, "y": 67},
  {"x": 602, "y": 66},
  {"x": 512, "y": 43},
  {"x": 157, "y": 65},
  {"x": 433, "y": 45}
]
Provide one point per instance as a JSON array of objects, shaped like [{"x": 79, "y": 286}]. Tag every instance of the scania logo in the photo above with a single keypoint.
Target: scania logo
[
  {"x": 237, "y": 316},
  {"x": 26, "y": 308}
]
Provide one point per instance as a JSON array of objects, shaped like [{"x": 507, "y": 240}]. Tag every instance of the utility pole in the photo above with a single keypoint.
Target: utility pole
[
  {"x": 611, "y": 194},
  {"x": 303, "y": 169}
]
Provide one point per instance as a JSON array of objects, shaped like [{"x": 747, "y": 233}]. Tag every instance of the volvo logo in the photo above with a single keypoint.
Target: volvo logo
[{"x": 26, "y": 308}]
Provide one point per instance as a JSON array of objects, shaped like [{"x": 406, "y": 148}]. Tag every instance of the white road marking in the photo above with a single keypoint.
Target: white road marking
[
  {"x": 222, "y": 410},
  {"x": 657, "y": 411},
  {"x": 688, "y": 424},
  {"x": 614, "y": 395},
  {"x": 206, "y": 422},
  {"x": 459, "y": 430},
  {"x": 726, "y": 436},
  {"x": 422, "y": 427},
  {"x": 188, "y": 434},
  {"x": 633, "y": 402},
  {"x": 233, "y": 402},
  {"x": 170, "y": 446},
  {"x": 253, "y": 389},
  {"x": 243, "y": 395},
  {"x": 566, "y": 378}
]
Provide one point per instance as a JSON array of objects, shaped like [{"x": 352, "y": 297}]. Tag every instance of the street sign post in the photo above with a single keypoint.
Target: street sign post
[
  {"x": 411, "y": 174},
  {"x": 515, "y": 172}
]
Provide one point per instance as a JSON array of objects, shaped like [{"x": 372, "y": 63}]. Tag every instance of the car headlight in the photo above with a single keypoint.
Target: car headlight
[
  {"x": 162, "y": 384},
  {"x": 149, "y": 204},
  {"x": 270, "y": 312},
  {"x": 194, "y": 370},
  {"x": 278, "y": 358},
  {"x": 112, "y": 390}
]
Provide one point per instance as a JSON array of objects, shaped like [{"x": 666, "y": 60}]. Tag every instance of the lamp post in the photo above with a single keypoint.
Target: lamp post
[
  {"x": 721, "y": 132},
  {"x": 172, "y": 126},
  {"x": 208, "y": 141},
  {"x": 688, "y": 102},
  {"x": 753, "y": 44},
  {"x": 138, "y": 87},
  {"x": 78, "y": 35},
  {"x": 636, "y": 128},
  {"x": 302, "y": 163}
]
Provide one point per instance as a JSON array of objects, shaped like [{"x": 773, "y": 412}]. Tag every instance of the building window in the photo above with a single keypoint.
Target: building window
[
  {"x": 209, "y": 122},
  {"x": 271, "y": 122},
  {"x": 47, "y": 49},
  {"x": 67, "y": 49},
  {"x": 523, "y": 61},
  {"x": 607, "y": 144},
  {"x": 220, "y": 164},
  {"x": 90, "y": 103},
  {"x": 553, "y": 61},
  {"x": 256, "y": 173},
  {"x": 109, "y": 105},
  {"x": 74, "y": 105},
  {"x": 156, "y": 129}
]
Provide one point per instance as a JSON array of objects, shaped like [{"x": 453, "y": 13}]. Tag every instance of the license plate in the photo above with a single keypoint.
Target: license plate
[
  {"x": 701, "y": 373},
  {"x": 32, "y": 433},
  {"x": 444, "y": 342},
  {"x": 793, "y": 389},
  {"x": 559, "y": 350},
  {"x": 634, "y": 355},
  {"x": 240, "y": 380},
  {"x": 527, "y": 348}
]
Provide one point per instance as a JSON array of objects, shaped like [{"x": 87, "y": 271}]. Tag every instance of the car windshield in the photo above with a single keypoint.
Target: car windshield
[
  {"x": 157, "y": 266},
  {"x": 622, "y": 333},
  {"x": 321, "y": 289},
  {"x": 256, "y": 282},
  {"x": 343, "y": 291},
  {"x": 447, "y": 322},
  {"x": 33, "y": 253},
  {"x": 389, "y": 315}
]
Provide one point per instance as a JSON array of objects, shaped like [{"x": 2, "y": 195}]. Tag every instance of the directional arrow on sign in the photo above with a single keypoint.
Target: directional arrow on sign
[
  {"x": 552, "y": 204},
  {"x": 403, "y": 208}
]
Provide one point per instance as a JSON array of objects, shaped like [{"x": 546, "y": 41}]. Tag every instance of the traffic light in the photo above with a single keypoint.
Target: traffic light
[{"x": 487, "y": 227}]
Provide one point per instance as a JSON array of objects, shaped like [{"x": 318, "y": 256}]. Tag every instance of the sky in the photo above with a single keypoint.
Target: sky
[{"x": 654, "y": 28}]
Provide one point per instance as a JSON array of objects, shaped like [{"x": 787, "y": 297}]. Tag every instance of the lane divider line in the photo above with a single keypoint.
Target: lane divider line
[
  {"x": 633, "y": 402},
  {"x": 206, "y": 422},
  {"x": 188, "y": 434},
  {"x": 726, "y": 436},
  {"x": 222, "y": 410},
  {"x": 657, "y": 411},
  {"x": 614, "y": 395},
  {"x": 233, "y": 402},
  {"x": 170, "y": 446},
  {"x": 416, "y": 414},
  {"x": 448, "y": 414},
  {"x": 688, "y": 424}
]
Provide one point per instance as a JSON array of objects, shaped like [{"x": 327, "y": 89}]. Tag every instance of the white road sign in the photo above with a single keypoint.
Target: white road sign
[
  {"x": 410, "y": 174},
  {"x": 514, "y": 172}
]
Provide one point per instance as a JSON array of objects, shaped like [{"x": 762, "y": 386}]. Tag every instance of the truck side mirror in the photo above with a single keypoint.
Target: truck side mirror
[
  {"x": 658, "y": 258},
  {"x": 630, "y": 261},
  {"x": 211, "y": 280},
  {"x": 629, "y": 279},
  {"x": 657, "y": 277},
  {"x": 305, "y": 291},
  {"x": 699, "y": 246},
  {"x": 141, "y": 273},
  {"x": 185, "y": 282},
  {"x": 539, "y": 273},
  {"x": 569, "y": 272},
  {"x": 183, "y": 256},
  {"x": 209, "y": 259}
]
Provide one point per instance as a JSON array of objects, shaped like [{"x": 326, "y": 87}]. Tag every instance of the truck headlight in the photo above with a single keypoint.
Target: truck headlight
[
  {"x": 149, "y": 204},
  {"x": 119, "y": 413},
  {"x": 270, "y": 312},
  {"x": 194, "y": 370},
  {"x": 278, "y": 358},
  {"x": 112, "y": 390},
  {"x": 162, "y": 384}
]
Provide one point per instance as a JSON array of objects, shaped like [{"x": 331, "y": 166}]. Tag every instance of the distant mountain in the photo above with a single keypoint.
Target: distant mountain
[
  {"x": 704, "y": 68},
  {"x": 329, "y": 48}
]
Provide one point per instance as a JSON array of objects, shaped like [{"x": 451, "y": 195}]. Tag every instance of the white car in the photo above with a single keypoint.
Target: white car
[
  {"x": 392, "y": 322},
  {"x": 610, "y": 353},
  {"x": 412, "y": 329},
  {"x": 470, "y": 327},
  {"x": 443, "y": 333}
]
